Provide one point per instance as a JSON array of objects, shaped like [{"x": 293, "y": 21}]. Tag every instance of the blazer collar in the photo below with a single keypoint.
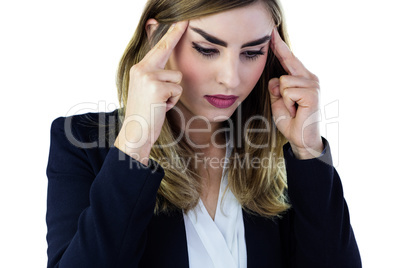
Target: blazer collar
[{"x": 166, "y": 233}]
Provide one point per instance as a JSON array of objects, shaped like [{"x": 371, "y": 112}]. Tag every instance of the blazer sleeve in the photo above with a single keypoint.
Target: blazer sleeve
[
  {"x": 319, "y": 230},
  {"x": 97, "y": 220}
]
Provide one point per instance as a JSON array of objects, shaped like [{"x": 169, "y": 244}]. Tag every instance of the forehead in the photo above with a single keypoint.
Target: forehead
[{"x": 238, "y": 25}]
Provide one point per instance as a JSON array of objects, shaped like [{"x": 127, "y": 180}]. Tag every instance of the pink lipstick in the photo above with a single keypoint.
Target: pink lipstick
[{"x": 221, "y": 101}]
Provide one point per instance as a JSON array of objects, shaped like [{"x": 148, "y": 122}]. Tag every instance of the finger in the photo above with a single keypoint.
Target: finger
[
  {"x": 172, "y": 101},
  {"x": 294, "y": 89},
  {"x": 299, "y": 98},
  {"x": 175, "y": 92},
  {"x": 278, "y": 108},
  {"x": 160, "y": 53},
  {"x": 163, "y": 90},
  {"x": 289, "y": 99},
  {"x": 169, "y": 76},
  {"x": 288, "y": 60},
  {"x": 274, "y": 89},
  {"x": 287, "y": 81}
]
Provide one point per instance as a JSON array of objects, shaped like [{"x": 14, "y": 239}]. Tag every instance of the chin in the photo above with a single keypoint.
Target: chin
[{"x": 218, "y": 117}]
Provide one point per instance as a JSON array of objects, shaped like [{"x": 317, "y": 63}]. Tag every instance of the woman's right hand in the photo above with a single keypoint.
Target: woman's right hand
[{"x": 152, "y": 92}]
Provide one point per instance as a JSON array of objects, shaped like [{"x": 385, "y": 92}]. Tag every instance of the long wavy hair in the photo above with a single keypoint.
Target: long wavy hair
[{"x": 260, "y": 191}]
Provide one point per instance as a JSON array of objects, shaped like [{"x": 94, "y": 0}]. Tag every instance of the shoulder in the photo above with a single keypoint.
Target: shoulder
[
  {"x": 87, "y": 130},
  {"x": 80, "y": 140}
]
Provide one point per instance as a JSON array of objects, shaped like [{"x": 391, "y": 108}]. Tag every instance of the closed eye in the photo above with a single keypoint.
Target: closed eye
[
  {"x": 207, "y": 52},
  {"x": 211, "y": 52},
  {"x": 253, "y": 55}
]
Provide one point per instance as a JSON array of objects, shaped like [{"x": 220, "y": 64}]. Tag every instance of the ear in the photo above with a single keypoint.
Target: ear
[{"x": 150, "y": 26}]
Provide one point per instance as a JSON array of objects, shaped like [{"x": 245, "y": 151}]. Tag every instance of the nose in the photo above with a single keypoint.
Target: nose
[{"x": 228, "y": 74}]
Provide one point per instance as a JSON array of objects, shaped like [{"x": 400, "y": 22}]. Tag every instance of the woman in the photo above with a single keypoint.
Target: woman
[{"x": 201, "y": 82}]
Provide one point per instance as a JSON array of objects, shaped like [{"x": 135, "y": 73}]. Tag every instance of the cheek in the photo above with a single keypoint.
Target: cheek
[
  {"x": 195, "y": 73},
  {"x": 191, "y": 74},
  {"x": 252, "y": 74}
]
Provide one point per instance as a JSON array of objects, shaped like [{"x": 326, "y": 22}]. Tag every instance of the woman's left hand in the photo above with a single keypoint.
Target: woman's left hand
[{"x": 295, "y": 102}]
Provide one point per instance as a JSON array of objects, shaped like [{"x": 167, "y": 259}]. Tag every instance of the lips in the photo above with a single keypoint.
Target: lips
[{"x": 221, "y": 101}]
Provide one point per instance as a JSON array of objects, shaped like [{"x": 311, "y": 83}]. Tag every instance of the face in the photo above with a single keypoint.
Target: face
[{"x": 221, "y": 58}]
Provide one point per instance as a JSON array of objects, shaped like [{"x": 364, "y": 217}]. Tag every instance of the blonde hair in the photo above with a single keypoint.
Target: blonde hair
[{"x": 260, "y": 191}]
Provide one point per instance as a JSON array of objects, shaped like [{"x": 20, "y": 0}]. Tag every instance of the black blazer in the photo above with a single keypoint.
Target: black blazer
[{"x": 100, "y": 209}]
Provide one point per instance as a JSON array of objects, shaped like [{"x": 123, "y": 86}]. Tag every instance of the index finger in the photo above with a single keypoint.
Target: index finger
[
  {"x": 160, "y": 53},
  {"x": 288, "y": 60}
]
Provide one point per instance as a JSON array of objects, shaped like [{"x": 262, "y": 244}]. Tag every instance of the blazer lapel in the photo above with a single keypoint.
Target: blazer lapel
[
  {"x": 262, "y": 241},
  {"x": 166, "y": 242}
]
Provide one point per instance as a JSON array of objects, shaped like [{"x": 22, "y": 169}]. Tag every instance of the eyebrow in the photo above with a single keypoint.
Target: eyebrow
[{"x": 217, "y": 41}]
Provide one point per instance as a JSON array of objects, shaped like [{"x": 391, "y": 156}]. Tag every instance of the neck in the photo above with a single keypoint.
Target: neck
[
  {"x": 204, "y": 136},
  {"x": 201, "y": 135}
]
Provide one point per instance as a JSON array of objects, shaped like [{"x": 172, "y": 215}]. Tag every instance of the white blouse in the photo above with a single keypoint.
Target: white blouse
[{"x": 219, "y": 243}]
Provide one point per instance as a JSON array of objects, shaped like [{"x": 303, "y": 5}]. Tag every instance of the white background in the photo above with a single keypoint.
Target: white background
[{"x": 60, "y": 57}]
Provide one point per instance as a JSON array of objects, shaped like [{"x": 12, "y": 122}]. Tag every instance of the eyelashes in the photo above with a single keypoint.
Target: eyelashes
[
  {"x": 212, "y": 52},
  {"x": 207, "y": 52}
]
